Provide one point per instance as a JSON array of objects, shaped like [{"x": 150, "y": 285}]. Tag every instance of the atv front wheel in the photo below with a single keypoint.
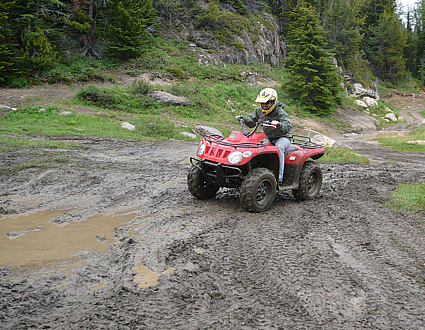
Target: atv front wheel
[
  {"x": 198, "y": 185},
  {"x": 310, "y": 182},
  {"x": 258, "y": 190}
]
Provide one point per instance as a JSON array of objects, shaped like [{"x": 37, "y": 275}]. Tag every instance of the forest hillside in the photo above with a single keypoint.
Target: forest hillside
[{"x": 320, "y": 46}]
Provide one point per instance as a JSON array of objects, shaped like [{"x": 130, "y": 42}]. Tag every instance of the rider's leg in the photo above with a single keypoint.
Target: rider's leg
[{"x": 282, "y": 144}]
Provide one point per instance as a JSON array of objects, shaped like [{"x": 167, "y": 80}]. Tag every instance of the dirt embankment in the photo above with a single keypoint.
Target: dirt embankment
[{"x": 342, "y": 261}]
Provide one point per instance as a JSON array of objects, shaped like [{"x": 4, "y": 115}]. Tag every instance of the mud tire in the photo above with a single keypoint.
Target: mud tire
[
  {"x": 310, "y": 182},
  {"x": 198, "y": 185},
  {"x": 258, "y": 190}
]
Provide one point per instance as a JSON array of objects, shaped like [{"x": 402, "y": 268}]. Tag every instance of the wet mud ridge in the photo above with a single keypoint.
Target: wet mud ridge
[{"x": 342, "y": 261}]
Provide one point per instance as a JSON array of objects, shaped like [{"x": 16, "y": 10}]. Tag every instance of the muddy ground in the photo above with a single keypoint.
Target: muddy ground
[{"x": 342, "y": 261}]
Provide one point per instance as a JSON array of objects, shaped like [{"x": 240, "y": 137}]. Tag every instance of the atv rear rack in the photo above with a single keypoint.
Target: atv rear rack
[{"x": 304, "y": 142}]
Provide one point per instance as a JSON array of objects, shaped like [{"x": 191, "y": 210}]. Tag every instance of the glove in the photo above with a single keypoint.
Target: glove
[
  {"x": 275, "y": 123},
  {"x": 238, "y": 118}
]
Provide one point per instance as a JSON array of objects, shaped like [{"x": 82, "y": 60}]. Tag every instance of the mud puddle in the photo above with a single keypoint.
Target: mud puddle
[
  {"x": 145, "y": 277},
  {"x": 34, "y": 238},
  {"x": 383, "y": 135}
]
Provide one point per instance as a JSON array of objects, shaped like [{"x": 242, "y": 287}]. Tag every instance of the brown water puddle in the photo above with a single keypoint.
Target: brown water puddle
[
  {"x": 383, "y": 135},
  {"x": 31, "y": 238},
  {"x": 146, "y": 278}
]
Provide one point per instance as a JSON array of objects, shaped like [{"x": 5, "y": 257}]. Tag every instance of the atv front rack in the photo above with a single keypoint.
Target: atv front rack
[{"x": 220, "y": 140}]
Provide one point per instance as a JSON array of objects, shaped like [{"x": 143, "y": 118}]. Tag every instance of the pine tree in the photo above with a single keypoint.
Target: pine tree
[
  {"x": 419, "y": 42},
  {"x": 344, "y": 23},
  {"x": 6, "y": 44},
  {"x": 387, "y": 41},
  {"x": 314, "y": 81},
  {"x": 128, "y": 20}
]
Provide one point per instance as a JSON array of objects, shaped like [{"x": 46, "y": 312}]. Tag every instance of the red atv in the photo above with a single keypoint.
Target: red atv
[{"x": 249, "y": 161}]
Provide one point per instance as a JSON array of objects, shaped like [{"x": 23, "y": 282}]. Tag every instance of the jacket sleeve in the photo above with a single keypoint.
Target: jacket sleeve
[
  {"x": 284, "y": 122},
  {"x": 252, "y": 119}
]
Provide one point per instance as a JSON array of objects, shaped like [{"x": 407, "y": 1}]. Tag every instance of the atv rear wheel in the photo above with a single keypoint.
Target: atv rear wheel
[
  {"x": 258, "y": 190},
  {"x": 310, "y": 182},
  {"x": 198, "y": 185}
]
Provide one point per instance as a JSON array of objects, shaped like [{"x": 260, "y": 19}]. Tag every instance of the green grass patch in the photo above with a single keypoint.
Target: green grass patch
[
  {"x": 18, "y": 142},
  {"x": 401, "y": 143},
  {"x": 73, "y": 69},
  {"x": 40, "y": 163},
  {"x": 50, "y": 122},
  {"x": 408, "y": 197},
  {"x": 342, "y": 155}
]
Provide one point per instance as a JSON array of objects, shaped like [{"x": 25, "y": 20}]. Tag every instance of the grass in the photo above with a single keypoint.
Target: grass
[
  {"x": 22, "y": 141},
  {"x": 342, "y": 155},
  {"x": 41, "y": 163},
  {"x": 408, "y": 197},
  {"x": 401, "y": 143},
  {"x": 50, "y": 122}
]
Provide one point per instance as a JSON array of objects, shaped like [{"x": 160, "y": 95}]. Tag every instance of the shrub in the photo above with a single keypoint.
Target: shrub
[
  {"x": 139, "y": 86},
  {"x": 99, "y": 96}
]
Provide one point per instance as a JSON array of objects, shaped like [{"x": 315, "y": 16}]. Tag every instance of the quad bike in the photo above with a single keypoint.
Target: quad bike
[{"x": 250, "y": 162}]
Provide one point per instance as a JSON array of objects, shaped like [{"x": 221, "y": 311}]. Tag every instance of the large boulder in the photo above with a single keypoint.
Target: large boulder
[
  {"x": 169, "y": 99},
  {"x": 358, "y": 121},
  {"x": 357, "y": 90},
  {"x": 205, "y": 130},
  {"x": 324, "y": 140}
]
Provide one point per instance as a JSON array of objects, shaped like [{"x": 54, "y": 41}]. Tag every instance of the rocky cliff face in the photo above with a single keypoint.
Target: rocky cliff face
[{"x": 258, "y": 42}]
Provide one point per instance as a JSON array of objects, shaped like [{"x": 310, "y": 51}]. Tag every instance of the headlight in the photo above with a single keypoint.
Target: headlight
[
  {"x": 201, "y": 149},
  {"x": 235, "y": 157},
  {"x": 247, "y": 154}
]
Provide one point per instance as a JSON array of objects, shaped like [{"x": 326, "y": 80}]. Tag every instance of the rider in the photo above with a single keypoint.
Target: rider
[{"x": 271, "y": 110}]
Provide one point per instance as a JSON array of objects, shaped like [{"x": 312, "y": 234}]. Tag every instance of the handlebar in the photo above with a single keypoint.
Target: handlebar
[{"x": 258, "y": 124}]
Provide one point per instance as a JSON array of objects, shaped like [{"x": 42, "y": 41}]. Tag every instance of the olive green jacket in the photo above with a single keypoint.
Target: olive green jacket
[{"x": 282, "y": 129}]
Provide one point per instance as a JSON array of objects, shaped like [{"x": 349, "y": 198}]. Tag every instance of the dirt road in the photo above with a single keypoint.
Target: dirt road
[{"x": 342, "y": 261}]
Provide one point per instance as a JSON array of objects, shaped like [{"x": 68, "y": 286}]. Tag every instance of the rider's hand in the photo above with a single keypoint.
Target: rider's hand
[
  {"x": 238, "y": 118},
  {"x": 275, "y": 123}
]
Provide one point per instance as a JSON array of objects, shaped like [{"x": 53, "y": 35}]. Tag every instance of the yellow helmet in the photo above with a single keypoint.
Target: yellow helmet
[{"x": 268, "y": 100}]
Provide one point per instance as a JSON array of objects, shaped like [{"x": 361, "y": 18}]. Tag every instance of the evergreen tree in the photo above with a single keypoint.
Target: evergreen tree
[
  {"x": 313, "y": 81},
  {"x": 38, "y": 53},
  {"x": 419, "y": 42},
  {"x": 128, "y": 20},
  {"x": 344, "y": 23},
  {"x": 387, "y": 41},
  {"x": 6, "y": 44}
]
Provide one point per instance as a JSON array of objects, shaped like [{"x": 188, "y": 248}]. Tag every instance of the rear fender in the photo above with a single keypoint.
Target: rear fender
[{"x": 295, "y": 161}]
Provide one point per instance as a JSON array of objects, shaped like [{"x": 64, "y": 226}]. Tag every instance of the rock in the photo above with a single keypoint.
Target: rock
[
  {"x": 357, "y": 90},
  {"x": 191, "y": 135},
  {"x": 391, "y": 116},
  {"x": 423, "y": 122},
  {"x": 324, "y": 140},
  {"x": 42, "y": 110},
  {"x": 361, "y": 103},
  {"x": 128, "y": 126},
  {"x": 169, "y": 99},
  {"x": 371, "y": 103},
  {"x": 359, "y": 121},
  {"x": 422, "y": 142},
  {"x": 64, "y": 113},
  {"x": 205, "y": 130}
]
